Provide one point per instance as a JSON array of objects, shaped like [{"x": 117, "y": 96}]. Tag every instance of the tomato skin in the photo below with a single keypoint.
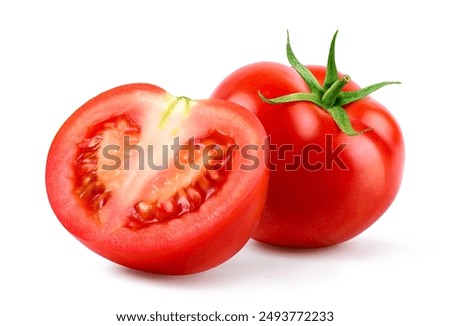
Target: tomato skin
[
  {"x": 270, "y": 78},
  {"x": 319, "y": 204},
  {"x": 194, "y": 242}
]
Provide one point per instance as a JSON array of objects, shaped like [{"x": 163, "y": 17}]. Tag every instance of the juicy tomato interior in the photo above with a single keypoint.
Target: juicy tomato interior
[{"x": 202, "y": 170}]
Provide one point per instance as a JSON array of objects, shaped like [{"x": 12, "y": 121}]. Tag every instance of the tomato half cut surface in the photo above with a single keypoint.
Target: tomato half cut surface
[{"x": 159, "y": 183}]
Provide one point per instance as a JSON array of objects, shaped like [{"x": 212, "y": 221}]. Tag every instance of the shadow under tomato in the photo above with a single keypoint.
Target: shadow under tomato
[
  {"x": 360, "y": 248},
  {"x": 258, "y": 262}
]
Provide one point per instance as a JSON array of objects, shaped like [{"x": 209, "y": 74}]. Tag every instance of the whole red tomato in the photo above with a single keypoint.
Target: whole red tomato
[
  {"x": 336, "y": 154},
  {"x": 155, "y": 182}
]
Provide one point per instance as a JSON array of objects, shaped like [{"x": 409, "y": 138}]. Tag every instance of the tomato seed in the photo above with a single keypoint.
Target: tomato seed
[{"x": 144, "y": 209}]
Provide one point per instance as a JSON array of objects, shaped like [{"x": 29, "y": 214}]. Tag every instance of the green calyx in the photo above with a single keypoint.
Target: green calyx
[{"x": 330, "y": 96}]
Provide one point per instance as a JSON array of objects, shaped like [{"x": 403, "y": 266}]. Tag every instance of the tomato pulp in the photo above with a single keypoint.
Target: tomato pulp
[
  {"x": 155, "y": 182},
  {"x": 336, "y": 162}
]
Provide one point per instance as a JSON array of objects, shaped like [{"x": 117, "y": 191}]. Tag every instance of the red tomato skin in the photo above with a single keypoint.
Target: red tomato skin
[
  {"x": 208, "y": 249},
  {"x": 317, "y": 207},
  {"x": 192, "y": 243},
  {"x": 270, "y": 78}
]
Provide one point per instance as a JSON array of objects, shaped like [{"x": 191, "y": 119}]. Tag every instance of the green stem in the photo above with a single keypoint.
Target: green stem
[
  {"x": 294, "y": 97},
  {"x": 349, "y": 97},
  {"x": 332, "y": 93},
  {"x": 331, "y": 74},
  {"x": 304, "y": 72},
  {"x": 330, "y": 96}
]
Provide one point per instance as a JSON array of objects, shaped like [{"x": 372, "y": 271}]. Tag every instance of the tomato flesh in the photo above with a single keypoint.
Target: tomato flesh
[{"x": 163, "y": 199}]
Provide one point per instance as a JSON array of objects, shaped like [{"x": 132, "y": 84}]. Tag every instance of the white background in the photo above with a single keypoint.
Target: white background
[{"x": 57, "y": 55}]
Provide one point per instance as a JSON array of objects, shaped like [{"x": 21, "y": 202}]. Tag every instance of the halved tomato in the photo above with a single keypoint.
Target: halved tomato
[{"x": 159, "y": 183}]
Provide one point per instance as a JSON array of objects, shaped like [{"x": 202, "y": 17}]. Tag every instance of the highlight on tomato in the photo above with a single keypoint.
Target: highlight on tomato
[
  {"x": 159, "y": 183},
  {"x": 337, "y": 155}
]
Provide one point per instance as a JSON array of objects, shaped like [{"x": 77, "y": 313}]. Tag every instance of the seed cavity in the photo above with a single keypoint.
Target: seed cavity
[
  {"x": 189, "y": 198},
  {"x": 89, "y": 188},
  {"x": 171, "y": 195},
  {"x": 182, "y": 202}
]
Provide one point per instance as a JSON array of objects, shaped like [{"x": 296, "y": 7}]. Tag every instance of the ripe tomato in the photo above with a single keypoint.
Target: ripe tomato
[
  {"x": 336, "y": 155},
  {"x": 155, "y": 182}
]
